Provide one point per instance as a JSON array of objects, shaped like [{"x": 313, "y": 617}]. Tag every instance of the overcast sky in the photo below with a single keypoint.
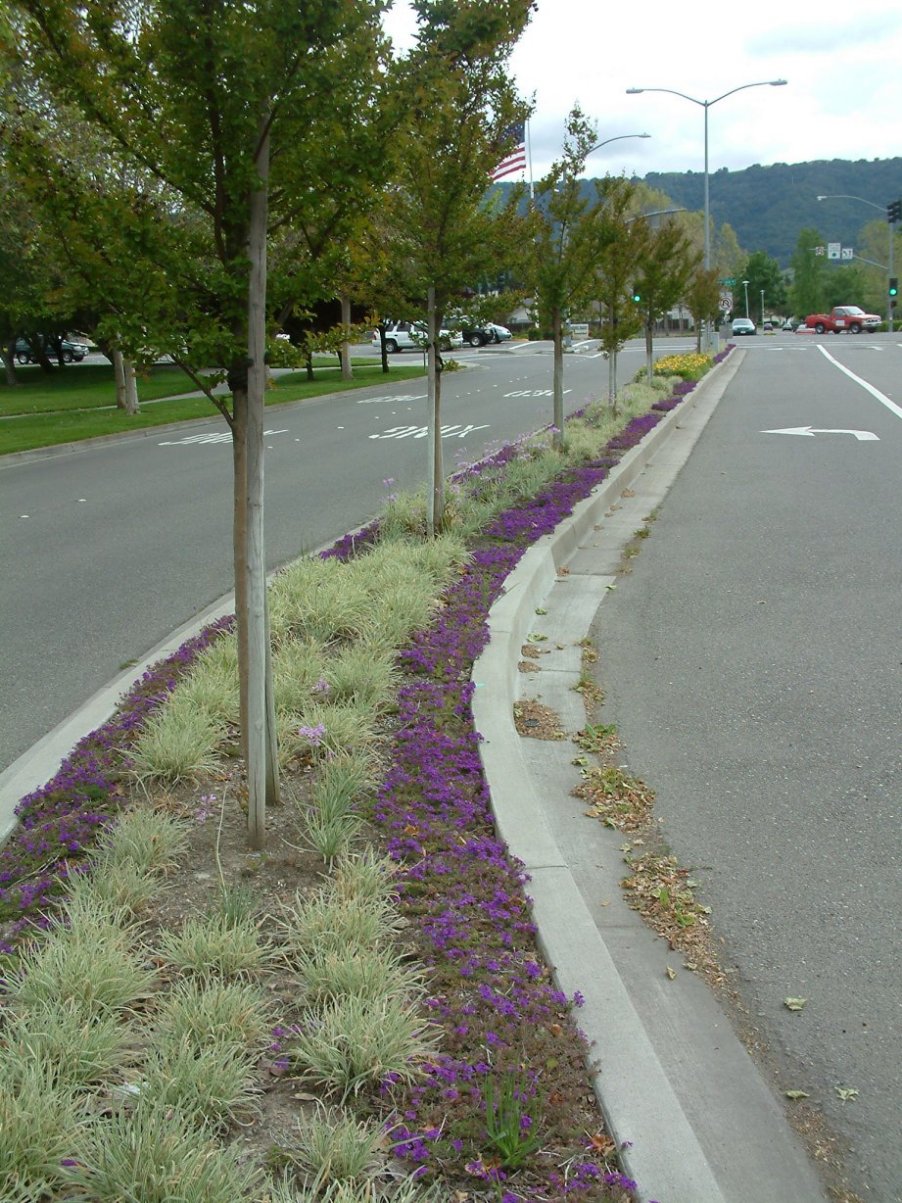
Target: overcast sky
[{"x": 842, "y": 61}]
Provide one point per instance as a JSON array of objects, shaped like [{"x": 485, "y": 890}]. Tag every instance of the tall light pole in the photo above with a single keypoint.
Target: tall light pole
[
  {"x": 706, "y": 104},
  {"x": 745, "y": 285},
  {"x": 892, "y": 239},
  {"x": 762, "y": 306}
]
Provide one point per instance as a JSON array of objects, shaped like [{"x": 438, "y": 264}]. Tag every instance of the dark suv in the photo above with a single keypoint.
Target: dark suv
[{"x": 68, "y": 351}]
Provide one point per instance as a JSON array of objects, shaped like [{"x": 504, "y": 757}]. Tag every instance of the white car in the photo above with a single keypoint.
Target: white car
[
  {"x": 501, "y": 333},
  {"x": 412, "y": 336},
  {"x": 743, "y": 325}
]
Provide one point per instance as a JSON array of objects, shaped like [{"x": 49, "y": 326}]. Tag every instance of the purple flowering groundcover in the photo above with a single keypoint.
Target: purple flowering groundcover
[{"x": 506, "y": 1106}]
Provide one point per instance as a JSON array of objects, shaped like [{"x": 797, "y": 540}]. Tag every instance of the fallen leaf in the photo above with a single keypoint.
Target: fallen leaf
[
  {"x": 795, "y": 1094},
  {"x": 671, "y": 973},
  {"x": 794, "y": 1004},
  {"x": 848, "y": 1094}
]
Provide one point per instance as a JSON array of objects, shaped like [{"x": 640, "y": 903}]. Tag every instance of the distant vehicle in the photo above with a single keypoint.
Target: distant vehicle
[
  {"x": 478, "y": 334},
  {"x": 842, "y": 318},
  {"x": 413, "y": 336},
  {"x": 68, "y": 351},
  {"x": 743, "y": 325}
]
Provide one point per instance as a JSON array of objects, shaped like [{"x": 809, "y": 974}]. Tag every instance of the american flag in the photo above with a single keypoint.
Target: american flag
[{"x": 515, "y": 159}]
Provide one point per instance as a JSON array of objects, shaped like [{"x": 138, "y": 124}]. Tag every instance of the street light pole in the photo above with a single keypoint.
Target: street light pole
[
  {"x": 706, "y": 104},
  {"x": 762, "y": 306},
  {"x": 745, "y": 285},
  {"x": 892, "y": 239}
]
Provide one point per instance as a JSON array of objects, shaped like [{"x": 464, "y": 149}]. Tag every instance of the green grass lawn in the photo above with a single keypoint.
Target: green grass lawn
[{"x": 79, "y": 402}]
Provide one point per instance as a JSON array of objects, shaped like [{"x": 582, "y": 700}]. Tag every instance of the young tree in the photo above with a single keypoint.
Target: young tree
[
  {"x": 663, "y": 271},
  {"x": 211, "y": 131},
  {"x": 616, "y": 271},
  {"x": 702, "y": 297},
  {"x": 460, "y": 105},
  {"x": 571, "y": 232}
]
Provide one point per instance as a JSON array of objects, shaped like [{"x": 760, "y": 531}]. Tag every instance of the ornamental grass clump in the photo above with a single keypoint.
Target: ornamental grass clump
[
  {"x": 63, "y": 1040},
  {"x": 155, "y": 1154},
  {"x": 179, "y": 743},
  {"x": 41, "y": 1122},
  {"x": 209, "y": 1086},
  {"x": 333, "y": 1146},
  {"x": 95, "y": 966},
  {"x": 217, "y": 946},
  {"x": 201, "y": 1012}
]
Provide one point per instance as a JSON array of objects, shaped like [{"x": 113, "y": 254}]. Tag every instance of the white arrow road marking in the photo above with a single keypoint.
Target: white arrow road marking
[
  {"x": 875, "y": 392},
  {"x": 863, "y": 436}
]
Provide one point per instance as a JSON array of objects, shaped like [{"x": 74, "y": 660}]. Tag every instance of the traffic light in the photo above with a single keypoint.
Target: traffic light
[
  {"x": 637, "y": 295},
  {"x": 893, "y": 286},
  {"x": 894, "y": 211}
]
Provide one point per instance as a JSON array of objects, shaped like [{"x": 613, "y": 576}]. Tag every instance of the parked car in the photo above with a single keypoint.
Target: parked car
[
  {"x": 743, "y": 325},
  {"x": 68, "y": 351},
  {"x": 478, "y": 334},
  {"x": 413, "y": 336}
]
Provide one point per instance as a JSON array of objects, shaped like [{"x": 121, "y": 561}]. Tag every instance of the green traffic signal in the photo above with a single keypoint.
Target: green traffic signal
[{"x": 893, "y": 286}]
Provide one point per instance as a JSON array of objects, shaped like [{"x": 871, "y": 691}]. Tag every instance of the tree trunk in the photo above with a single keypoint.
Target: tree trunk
[
  {"x": 345, "y": 354},
  {"x": 239, "y": 549},
  {"x": 612, "y": 381},
  {"x": 435, "y": 502},
  {"x": 9, "y": 364},
  {"x": 132, "y": 404},
  {"x": 262, "y": 781},
  {"x": 649, "y": 349},
  {"x": 126, "y": 384},
  {"x": 557, "y": 334}
]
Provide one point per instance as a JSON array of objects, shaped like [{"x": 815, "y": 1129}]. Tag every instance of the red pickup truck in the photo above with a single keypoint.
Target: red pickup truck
[{"x": 843, "y": 317}]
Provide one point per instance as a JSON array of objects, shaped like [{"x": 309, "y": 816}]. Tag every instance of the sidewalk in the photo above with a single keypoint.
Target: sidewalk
[{"x": 672, "y": 1078}]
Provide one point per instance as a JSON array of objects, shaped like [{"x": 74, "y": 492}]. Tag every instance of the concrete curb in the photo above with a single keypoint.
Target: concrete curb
[{"x": 637, "y": 1099}]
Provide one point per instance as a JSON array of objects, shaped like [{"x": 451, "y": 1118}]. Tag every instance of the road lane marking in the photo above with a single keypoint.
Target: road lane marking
[
  {"x": 223, "y": 437},
  {"x": 863, "y": 436},
  {"x": 875, "y": 392},
  {"x": 420, "y": 432}
]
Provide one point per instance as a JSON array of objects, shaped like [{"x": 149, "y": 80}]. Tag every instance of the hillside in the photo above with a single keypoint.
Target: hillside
[{"x": 768, "y": 206}]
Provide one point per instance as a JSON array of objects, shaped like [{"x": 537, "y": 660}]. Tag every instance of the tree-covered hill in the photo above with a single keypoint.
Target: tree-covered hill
[{"x": 768, "y": 206}]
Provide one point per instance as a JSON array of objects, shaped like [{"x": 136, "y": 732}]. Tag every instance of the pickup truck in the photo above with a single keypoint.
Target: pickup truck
[{"x": 843, "y": 317}]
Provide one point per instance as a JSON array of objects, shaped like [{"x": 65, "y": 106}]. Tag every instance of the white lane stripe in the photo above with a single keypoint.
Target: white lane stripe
[{"x": 875, "y": 392}]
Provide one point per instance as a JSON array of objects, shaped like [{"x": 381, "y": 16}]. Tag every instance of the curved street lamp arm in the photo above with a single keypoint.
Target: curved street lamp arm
[
  {"x": 764, "y": 83},
  {"x": 635, "y": 91},
  {"x": 848, "y": 196},
  {"x": 615, "y": 139}
]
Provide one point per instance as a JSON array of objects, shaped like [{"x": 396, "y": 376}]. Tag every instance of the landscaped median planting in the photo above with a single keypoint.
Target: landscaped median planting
[{"x": 361, "y": 1012}]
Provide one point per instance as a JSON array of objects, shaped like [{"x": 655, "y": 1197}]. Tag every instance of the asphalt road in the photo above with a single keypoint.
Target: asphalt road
[
  {"x": 107, "y": 549},
  {"x": 752, "y": 662}
]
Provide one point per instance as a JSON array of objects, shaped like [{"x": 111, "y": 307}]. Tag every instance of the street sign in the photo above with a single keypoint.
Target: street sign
[{"x": 730, "y": 283}]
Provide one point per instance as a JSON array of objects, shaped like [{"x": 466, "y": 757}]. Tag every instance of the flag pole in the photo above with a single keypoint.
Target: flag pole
[{"x": 532, "y": 191}]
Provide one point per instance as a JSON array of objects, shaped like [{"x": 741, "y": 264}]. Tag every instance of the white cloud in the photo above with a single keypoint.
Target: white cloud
[{"x": 842, "y": 101}]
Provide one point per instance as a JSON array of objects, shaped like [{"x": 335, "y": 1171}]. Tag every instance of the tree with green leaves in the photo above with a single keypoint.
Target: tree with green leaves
[
  {"x": 662, "y": 274},
  {"x": 460, "y": 107},
  {"x": 615, "y": 272},
  {"x": 702, "y": 299},
  {"x": 763, "y": 275},
  {"x": 571, "y": 231},
  {"x": 210, "y": 132},
  {"x": 809, "y": 270}
]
